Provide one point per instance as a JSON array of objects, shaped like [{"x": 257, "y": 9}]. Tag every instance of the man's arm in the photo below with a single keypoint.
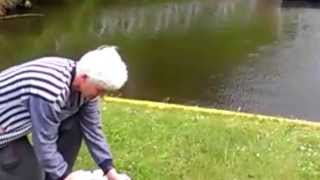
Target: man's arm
[
  {"x": 93, "y": 135},
  {"x": 45, "y": 125}
]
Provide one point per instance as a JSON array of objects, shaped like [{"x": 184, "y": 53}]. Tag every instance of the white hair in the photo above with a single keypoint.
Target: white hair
[{"x": 104, "y": 67}]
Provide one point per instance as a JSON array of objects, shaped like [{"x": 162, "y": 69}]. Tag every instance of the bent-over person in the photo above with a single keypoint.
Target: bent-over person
[{"x": 57, "y": 101}]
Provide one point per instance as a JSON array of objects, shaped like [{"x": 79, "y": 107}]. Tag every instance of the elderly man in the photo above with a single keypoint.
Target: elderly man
[{"x": 57, "y": 100}]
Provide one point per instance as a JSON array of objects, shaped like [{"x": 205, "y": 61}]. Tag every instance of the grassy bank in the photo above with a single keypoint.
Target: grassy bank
[{"x": 157, "y": 141}]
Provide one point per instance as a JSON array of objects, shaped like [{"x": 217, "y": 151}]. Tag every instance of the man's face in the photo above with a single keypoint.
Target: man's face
[{"x": 90, "y": 90}]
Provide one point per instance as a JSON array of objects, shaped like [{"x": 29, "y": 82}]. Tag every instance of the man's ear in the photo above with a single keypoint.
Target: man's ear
[{"x": 83, "y": 77}]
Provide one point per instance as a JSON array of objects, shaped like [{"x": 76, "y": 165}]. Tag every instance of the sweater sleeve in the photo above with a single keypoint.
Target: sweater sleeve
[
  {"x": 93, "y": 135},
  {"x": 45, "y": 125}
]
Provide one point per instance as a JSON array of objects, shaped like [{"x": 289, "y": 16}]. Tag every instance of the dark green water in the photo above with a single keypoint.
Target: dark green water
[{"x": 247, "y": 55}]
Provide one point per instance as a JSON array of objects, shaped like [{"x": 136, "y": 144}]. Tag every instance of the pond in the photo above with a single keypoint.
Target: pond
[{"x": 259, "y": 56}]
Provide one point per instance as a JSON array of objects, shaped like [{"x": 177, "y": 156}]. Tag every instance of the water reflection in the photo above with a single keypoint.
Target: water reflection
[
  {"x": 217, "y": 53},
  {"x": 153, "y": 18},
  {"x": 282, "y": 78}
]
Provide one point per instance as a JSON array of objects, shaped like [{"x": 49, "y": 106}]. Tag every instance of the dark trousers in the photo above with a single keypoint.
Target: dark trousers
[{"x": 18, "y": 160}]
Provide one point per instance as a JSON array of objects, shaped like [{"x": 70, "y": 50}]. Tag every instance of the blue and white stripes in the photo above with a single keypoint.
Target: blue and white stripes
[{"x": 48, "y": 78}]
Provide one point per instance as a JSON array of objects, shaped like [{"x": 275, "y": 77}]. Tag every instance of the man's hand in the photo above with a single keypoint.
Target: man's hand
[{"x": 114, "y": 175}]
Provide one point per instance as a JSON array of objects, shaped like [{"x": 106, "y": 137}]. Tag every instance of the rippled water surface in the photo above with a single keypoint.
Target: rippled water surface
[{"x": 248, "y": 55}]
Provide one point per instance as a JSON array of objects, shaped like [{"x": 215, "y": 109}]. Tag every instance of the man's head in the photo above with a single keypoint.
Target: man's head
[{"x": 100, "y": 70}]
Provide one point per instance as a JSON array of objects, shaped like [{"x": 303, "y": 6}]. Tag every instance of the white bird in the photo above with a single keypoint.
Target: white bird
[{"x": 92, "y": 175}]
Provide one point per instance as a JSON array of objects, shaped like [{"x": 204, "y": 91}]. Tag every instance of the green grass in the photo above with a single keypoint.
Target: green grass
[{"x": 175, "y": 142}]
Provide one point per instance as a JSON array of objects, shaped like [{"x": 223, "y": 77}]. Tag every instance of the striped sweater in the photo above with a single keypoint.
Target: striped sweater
[
  {"x": 32, "y": 92},
  {"x": 48, "y": 78}
]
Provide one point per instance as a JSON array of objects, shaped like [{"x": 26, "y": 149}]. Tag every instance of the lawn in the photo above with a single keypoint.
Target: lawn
[{"x": 170, "y": 142}]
